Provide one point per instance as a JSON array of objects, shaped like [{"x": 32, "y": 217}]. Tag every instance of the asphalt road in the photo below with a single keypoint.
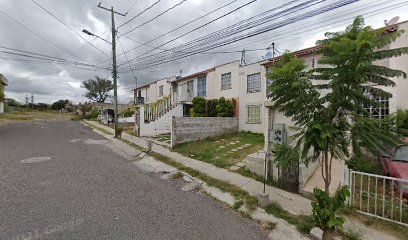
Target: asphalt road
[{"x": 56, "y": 185}]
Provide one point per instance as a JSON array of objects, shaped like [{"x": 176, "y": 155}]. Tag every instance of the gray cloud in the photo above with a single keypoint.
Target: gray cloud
[{"x": 50, "y": 82}]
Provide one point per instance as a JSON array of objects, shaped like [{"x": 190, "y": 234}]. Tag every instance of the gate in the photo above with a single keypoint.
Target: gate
[
  {"x": 288, "y": 177},
  {"x": 379, "y": 196}
]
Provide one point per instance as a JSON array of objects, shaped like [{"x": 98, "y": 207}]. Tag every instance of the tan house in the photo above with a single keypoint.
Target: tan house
[{"x": 3, "y": 83}]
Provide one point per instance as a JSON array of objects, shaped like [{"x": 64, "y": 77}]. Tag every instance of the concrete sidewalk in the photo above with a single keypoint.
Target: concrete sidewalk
[{"x": 291, "y": 202}]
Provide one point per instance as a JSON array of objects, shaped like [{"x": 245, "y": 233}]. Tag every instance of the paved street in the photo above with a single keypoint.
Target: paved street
[{"x": 59, "y": 181}]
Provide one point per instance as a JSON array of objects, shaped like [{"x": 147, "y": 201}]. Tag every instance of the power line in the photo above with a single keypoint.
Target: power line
[
  {"x": 132, "y": 6},
  {"x": 197, "y": 28},
  {"x": 137, "y": 15},
  {"x": 175, "y": 29},
  {"x": 213, "y": 44},
  {"x": 127, "y": 59},
  {"x": 29, "y": 29},
  {"x": 157, "y": 16},
  {"x": 235, "y": 27},
  {"x": 70, "y": 28}
]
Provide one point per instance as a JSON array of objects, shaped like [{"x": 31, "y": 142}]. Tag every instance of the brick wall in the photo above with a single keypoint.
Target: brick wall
[{"x": 186, "y": 129}]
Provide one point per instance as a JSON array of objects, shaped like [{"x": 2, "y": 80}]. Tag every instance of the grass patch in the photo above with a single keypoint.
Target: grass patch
[
  {"x": 211, "y": 151},
  {"x": 31, "y": 115},
  {"x": 133, "y": 145},
  {"x": 303, "y": 223},
  {"x": 100, "y": 129},
  {"x": 268, "y": 225},
  {"x": 250, "y": 201},
  {"x": 247, "y": 173}
]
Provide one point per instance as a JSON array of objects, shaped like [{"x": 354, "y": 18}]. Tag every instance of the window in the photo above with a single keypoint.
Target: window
[
  {"x": 161, "y": 91},
  {"x": 201, "y": 86},
  {"x": 379, "y": 110},
  {"x": 254, "y": 83},
  {"x": 147, "y": 94},
  {"x": 225, "y": 81},
  {"x": 253, "y": 114},
  {"x": 139, "y": 93}
]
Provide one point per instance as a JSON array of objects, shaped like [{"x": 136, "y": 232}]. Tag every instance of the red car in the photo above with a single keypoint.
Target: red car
[{"x": 396, "y": 165}]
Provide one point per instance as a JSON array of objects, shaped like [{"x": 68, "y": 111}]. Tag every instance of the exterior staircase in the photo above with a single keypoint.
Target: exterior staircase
[{"x": 153, "y": 111}]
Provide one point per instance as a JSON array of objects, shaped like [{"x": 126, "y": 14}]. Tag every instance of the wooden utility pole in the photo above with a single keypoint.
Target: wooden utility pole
[{"x": 114, "y": 70}]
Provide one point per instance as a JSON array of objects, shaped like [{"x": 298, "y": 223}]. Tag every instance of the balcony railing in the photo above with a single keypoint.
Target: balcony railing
[{"x": 139, "y": 100}]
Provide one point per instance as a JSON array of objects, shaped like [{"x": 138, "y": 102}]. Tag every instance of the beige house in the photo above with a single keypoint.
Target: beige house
[
  {"x": 248, "y": 84},
  {"x": 3, "y": 83}
]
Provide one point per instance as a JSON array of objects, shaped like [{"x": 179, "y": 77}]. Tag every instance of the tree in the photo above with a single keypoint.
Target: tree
[
  {"x": 97, "y": 89},
  {"x": 329, "y": 112},
  {"x": 60, "y": 104},
  {"x": 12, "y": 102}
]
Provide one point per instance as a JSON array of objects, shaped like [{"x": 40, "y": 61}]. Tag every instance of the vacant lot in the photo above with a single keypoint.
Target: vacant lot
[
  {"x": 32, "y": 115},
  {"x": 223, "y": 151}
]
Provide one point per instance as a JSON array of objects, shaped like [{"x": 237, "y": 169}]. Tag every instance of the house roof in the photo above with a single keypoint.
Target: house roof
[
  {"x": 311, "y": 50},
  {"x": 299, "y": 53},
  {"x": 148, "y": 84},
  {"x": 195, "y": 75},
  {"x": 3, "y": 80}
]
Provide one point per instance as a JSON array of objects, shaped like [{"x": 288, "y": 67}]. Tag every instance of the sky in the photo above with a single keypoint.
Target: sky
[{"x": 55, "y": 30}]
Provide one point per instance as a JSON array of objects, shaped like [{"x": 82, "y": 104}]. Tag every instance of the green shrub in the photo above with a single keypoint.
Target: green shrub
[
  {"x": 128, "y": 113},
  {"x": 212, "y": 107},
  {"x": 231, "y": 106},
  {"x": 402, "y": 120},
  {"x": 199, "y": 107},
  {"x": 325, "y": 208},
  {"x": 364, "y": 164},
  {"x": 222, "y": 108}
]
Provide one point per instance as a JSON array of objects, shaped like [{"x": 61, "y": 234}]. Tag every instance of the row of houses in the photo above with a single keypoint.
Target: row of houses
[{"x": 157, "y": 102}]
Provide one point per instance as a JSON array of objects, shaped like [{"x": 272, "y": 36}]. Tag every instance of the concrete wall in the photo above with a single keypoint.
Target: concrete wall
[
  {"x": 186, "y": 129},
  {"x": 1, "y": 107}
]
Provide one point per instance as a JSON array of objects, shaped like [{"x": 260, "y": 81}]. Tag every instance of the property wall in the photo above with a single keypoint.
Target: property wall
[
  {"x": 186, "y": 129},
  {"x": 1, "y": 107},
  {"x": 161, "y": 125}
]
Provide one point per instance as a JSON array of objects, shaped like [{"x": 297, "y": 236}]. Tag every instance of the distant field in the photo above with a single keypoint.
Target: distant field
[{"x": 32, "y": 115}]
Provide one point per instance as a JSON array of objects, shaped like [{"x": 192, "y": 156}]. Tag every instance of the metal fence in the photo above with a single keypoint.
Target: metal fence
[{"x": 379, "y": 196}]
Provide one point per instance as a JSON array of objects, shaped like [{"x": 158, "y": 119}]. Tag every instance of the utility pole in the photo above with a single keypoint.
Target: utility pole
[{"x": 114, "y": 70}]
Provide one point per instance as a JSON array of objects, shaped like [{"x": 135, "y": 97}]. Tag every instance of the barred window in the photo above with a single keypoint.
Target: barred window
[
  {"x": 225, "y": 81},
  {"x": 254, "y": 83},
  {"x": 253, "y": 114},
  {"x": 379, "y": 110},
  {"x": 161, "y": 91},
  {"x": 201, "y": 86}
]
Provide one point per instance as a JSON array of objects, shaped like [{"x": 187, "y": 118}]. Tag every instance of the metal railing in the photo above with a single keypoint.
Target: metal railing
[
  {"x": 379, "y": 196},
  {"x": 153, "y": 111}
]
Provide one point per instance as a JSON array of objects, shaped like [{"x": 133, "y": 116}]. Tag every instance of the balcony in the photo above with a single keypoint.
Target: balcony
[{"x": 139, "y": 100}]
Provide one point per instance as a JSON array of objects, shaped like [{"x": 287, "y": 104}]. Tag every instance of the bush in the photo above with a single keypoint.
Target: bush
[
  {"x": 325, "y": 208},
  {"x": 128, "y": 113},
  {"x": 199, "y": 107},
  {"x": 231, "y": 105},
  {"x": 402, "y": 121},
  {"x": 222, "y": 109},
  {"x": 365, "y": 164},
  {"x": 212, "y": 107}
]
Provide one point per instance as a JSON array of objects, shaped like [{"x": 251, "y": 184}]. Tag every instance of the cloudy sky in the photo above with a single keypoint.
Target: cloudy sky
[{"x": 55, "y": 30}]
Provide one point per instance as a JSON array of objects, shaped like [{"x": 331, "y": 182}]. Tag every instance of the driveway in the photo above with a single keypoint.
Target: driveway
[{"x": 59, "y": 180}]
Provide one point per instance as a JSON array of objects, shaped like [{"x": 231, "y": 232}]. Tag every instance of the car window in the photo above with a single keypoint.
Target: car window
[{"x": 401, "y": 154}]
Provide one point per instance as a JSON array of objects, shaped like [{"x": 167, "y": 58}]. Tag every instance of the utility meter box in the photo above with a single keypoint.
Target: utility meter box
[{"x": 278, "y": 134}]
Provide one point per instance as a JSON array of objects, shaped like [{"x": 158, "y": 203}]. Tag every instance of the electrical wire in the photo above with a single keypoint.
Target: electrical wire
[
  {"x": 137, "y": 15},
  {"x": 70, "y": 28},
  {"x": 175, "y": 29},
  {"x": 157, "y": 16},
  {"x": 298, "y": 17},
  {"x": 33, "y": 32}
]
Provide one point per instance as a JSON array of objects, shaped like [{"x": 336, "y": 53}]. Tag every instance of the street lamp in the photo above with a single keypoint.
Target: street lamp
[
  {"x": 114, "y": 70},
  {"x": 91, "y": 34}
]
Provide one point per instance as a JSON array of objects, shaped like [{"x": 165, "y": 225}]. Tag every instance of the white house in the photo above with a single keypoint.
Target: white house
[
  {"x": 309, "y": 177},
  {"x": 3, "y": 83}
]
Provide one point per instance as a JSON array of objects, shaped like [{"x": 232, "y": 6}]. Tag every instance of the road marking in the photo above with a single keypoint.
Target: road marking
[
  {"x": 35, "y": 159},
  {"x": 51, "y": 229}
]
